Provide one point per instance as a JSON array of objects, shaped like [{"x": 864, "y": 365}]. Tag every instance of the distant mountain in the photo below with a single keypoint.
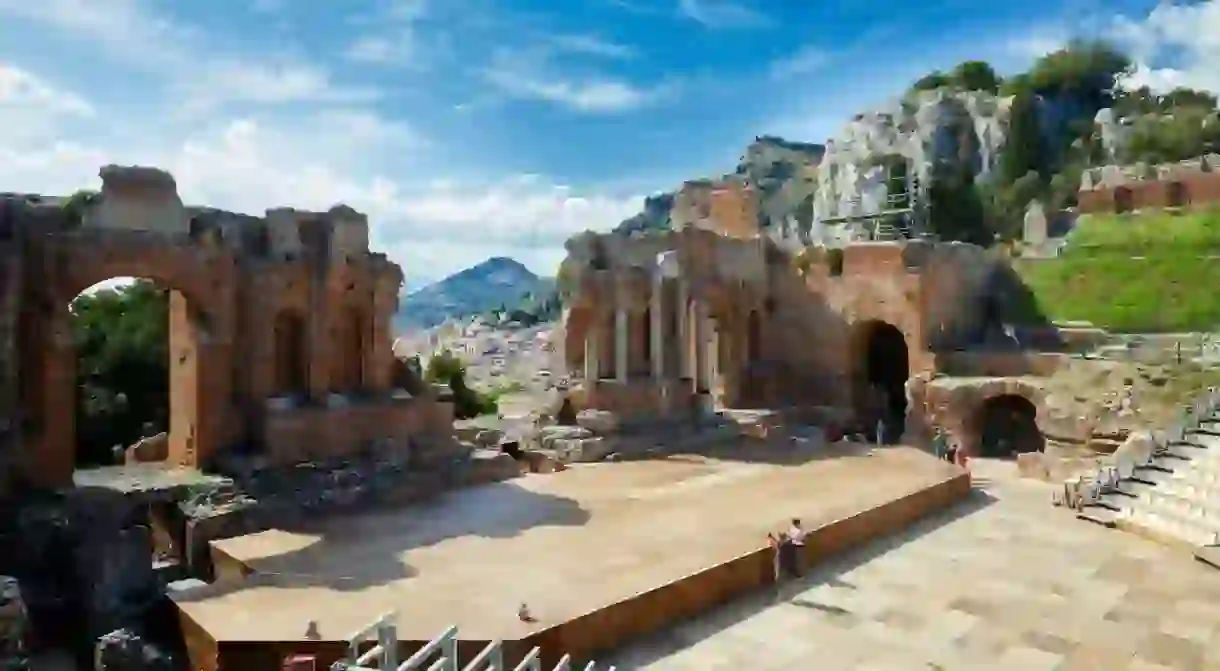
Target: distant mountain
[{"x": 494, "y": 283}]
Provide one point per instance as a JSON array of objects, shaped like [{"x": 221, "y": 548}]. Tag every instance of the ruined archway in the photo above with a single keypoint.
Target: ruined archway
[
  {"x": 882, "y": 367},
  {"x": 1008, "y": 426},
  {"x": 291, "y": 367},
  {"x": 157, "y": 419},
  {"x": 1124, "y": 200},
  {"x": 1175, "y": 194},
  {"x": 199, "y": 329}
]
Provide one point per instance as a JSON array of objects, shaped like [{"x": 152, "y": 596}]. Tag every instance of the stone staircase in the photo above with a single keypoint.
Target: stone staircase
[{"x": 1171, "y": 491}]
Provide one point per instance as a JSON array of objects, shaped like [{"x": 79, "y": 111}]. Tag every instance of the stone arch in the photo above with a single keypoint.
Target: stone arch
[
  {"x": 291, "y": 367},
  {"x": 880, "y": 360},
  {"x": 1175, "y": 194},
  {"x": 349, "y": 344},
  {"x": 199, "y": 282},
  {"x": 1124, "y": 200},
  {"x": 754, "y": 337},
  {"x": 1006, "y": 425}
]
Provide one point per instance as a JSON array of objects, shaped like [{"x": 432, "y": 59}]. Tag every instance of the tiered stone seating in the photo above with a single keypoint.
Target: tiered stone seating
[{"x": 1175, "y": 492}]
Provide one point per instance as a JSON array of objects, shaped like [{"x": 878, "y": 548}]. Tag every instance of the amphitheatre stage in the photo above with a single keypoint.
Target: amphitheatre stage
[{"x": 600, "y": 553}]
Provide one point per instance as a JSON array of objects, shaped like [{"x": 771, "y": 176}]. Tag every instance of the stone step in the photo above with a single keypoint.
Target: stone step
[{"x": 1096, "y": 515}]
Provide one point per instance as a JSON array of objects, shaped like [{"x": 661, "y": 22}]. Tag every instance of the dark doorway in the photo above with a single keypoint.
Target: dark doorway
[
  {"x": 885, "y": 372},
  {"x": 1009, "y": 427},
  {"x": 1175, "y": 194}
]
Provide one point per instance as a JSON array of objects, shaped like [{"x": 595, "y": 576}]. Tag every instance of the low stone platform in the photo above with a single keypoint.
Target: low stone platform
[{"x": 600, "y": 552}]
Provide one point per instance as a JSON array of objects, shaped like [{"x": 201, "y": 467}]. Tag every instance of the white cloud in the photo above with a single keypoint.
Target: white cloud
[
  {"x": 298, "y": 140},
  {"x": 1175, "y": 45},
  {"x": 433, "y": 227},
  {"x": 532, "y": 75},
  {"x": 1038, "y": 42},
  {"x": 804, "y": 61},
  {"x": 593, "y": 46},
  {"x": 722, "y": 14},
  {"x": 128, "y": 30}
]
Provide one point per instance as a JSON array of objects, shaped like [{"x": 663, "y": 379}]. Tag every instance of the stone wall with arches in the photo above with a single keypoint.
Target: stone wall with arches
[
  {"x": 958, "y": 406},
  {"x": 280, "y": 326},
  {"x": 745, "y": 324}
]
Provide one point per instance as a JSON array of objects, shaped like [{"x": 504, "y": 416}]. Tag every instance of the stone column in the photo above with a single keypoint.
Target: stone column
[
  {"x": 699, "y": 344},
  {"x": 592, "y": 351},
  {"x": 657, "y": 328},
  {"x": 622, "y": 342},
  {"x": 683, "y": 309}
]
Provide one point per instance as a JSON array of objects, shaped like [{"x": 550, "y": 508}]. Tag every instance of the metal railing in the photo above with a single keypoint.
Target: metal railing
[{"x": 439, "y": 654}]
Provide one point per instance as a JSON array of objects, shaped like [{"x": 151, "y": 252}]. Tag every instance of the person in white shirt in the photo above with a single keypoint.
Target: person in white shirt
[{"x": 796, "y": 541}]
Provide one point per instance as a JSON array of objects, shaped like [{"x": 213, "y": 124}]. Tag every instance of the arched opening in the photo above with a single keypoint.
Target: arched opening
[
  {"x": 134, "y": 354},
  {"x": 883, "y": 371},
  {"x": 1124, "y": 200},
  {"x": 347, "y": 372},
  {"x": 754, "y": 337},
  {"x": 1175, "y": 194},
  {"x": 646, "y": 335},
  {"x": 291, "y": 368},
  {"x": 1008, "y": 426}
]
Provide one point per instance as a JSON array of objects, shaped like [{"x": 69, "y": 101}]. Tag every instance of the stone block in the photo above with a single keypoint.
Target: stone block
[
  {"x": 488, "y": 437},
  {"x": 548, "y": 435},
  {"x": 543, "y": 461},
  {"x": 572, "y": 450},
  {"x": 151, "y": 449},
  {"x": 490, "y": 466},
  {"x": 600, "y": 422},
  {"x": 1033, "y": 465}
]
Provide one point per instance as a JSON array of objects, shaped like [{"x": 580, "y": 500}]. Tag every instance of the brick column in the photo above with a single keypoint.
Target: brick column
[
  {"x": 622, "y": 342},
  {"x": 656, "y": 329}
]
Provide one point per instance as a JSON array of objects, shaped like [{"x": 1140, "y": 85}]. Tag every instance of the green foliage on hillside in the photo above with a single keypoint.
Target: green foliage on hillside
[
  {"x": 446, "y": 368},
  {"x": 1047, "y": 163},
  {"x": 1142, "y": 273},
  {"x": 122, "y": 341}
]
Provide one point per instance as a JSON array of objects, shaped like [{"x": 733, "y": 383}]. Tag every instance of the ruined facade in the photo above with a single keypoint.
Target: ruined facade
[
  {"x": 1119, "y": 189},
  {"x": 280, "y": 326},
  {"x": 706, "y": 316}
]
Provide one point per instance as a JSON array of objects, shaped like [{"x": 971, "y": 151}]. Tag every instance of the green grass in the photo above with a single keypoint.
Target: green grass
[
  {"x": 1134, "y": 273},
  {"x": 1197, "y": 232}
]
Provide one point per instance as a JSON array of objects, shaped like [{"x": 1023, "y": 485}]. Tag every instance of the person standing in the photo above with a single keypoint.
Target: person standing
[{"x": 796, "y": 540}]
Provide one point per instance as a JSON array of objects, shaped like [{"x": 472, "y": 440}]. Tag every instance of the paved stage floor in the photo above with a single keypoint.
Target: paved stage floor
[
  {"x": 565, "y": 543},
  {"x": 1001, "y": 582}
]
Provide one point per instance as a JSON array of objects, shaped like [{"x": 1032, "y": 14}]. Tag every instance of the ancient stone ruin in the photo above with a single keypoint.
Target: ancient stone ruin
[{"x": 286, "y": 399}]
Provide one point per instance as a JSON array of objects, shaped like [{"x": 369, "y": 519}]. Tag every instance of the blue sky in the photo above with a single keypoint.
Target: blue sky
[{"x": 469, "y": 128}]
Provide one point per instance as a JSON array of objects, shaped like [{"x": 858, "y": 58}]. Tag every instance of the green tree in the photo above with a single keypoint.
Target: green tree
[
  {"x": 956, "y": 209},
  {"x": 122, "y": 347},
  {"x": 975, "y": 76},
  {"x": 446, "y": 368},
  {"x": 932, "y": 81},
  {"x": 1023, "y": 147}
]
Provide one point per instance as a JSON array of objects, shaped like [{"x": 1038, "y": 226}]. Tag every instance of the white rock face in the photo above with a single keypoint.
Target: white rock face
[{"x": 940, "y": 125}]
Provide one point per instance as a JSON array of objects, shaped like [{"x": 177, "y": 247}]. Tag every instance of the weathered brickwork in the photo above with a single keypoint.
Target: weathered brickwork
[
  {"x": 1116, "y": 190},
  {"x": 280, "y": 326},
  {"x": 711, "y": 313}
]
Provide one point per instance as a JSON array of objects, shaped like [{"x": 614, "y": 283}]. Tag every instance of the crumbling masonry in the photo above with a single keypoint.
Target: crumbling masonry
[{"x": 280, "y": 326}]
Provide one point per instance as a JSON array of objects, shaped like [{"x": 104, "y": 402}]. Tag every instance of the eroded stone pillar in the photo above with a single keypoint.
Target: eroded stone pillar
[
  {"x": 592, "y": 350},
  {"x": 657, "y": 327},
  {"x": 683, "y": 309},
  {"x": 622, "y": 342}
]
